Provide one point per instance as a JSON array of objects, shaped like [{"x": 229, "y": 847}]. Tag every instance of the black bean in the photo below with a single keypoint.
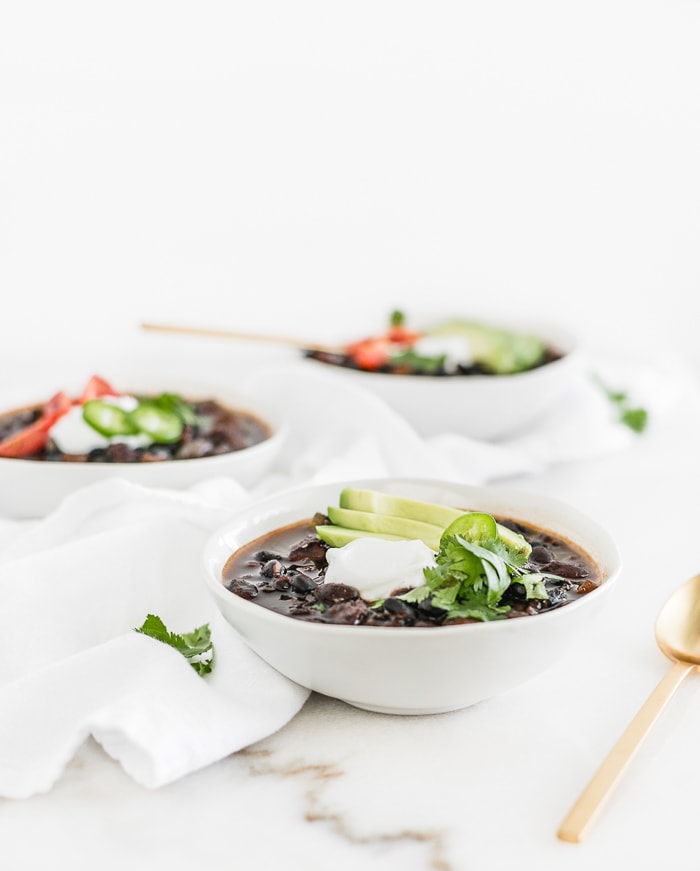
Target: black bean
[
  {"x": 398, "y": 607},
  {"x": 301, "y": 584},
  {"x": 272, "y": 569},
  {"x": 243, "y": 589},
  {"x": 331, "y": 594},
  {"x": 192, "y": 450},
  {"x": 309, "y": 548},
  {"x": 427, "y": 609},
  {"x": 264, "y": 555},
  {"x": 564, "y": 570},
  {"x": 348, "y": 612},
  {"x": 516, "y": 592},
  {"x": 540, "y": 554}
]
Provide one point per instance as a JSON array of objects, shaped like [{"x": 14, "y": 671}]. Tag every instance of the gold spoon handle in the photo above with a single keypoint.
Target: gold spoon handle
[
  {"x": 606, "y": 778},
  {"x": 246, "y": 337}
]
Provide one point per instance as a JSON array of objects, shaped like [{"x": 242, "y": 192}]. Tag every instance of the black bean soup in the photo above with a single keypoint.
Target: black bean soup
[
  {"x": 333, "y": 358},
  {"x": 221, "y": 430},
  {"x": 284, "y": 571}
]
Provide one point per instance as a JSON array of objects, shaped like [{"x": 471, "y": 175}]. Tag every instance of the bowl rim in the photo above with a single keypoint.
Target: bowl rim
[{"x": 217, "y": 588}]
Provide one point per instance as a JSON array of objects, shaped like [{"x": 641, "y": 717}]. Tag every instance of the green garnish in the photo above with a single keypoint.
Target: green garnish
[
  {"x": 471, "y": 578},
  {"x": 159, "y": 424},
  {"x": 161, "y": 418},
  {"x": 108, "y": 419},
  {"x": 636, "y": 418},
  {"x": 175, "y": 404},
  {"x": 419, "y": 362},
  {"x": 397, "y": 318},
  {"x": 195, "y": 646}
]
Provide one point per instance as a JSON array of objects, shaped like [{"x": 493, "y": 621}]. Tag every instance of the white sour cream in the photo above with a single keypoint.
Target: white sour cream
[
  {"x": 72, "y": 435},
  {"x": 456, "y": 349},
  {"x": 376, "y": 566}
]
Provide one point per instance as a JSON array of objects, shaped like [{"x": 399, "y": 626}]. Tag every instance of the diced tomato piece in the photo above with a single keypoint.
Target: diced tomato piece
[
  {"x": 370, "y": 353},
  {"x": 95, "y": 388},
  {"x": 56, "y": 407},
  {"x": 402, "y": 336},
  {"x": 28, "y": 441},
  {"x": 33, "y": 438}
]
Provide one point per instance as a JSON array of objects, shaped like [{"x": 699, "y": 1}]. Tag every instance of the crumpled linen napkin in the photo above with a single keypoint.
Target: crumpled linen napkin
[
  {"x": 72, "y": 589},
  {"x": 581, "y": 425},
  {"x": 75, "y": 584}
]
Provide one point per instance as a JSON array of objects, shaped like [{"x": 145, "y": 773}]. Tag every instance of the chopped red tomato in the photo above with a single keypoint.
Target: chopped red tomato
[
  {"x": 56, "y": 407},
  {"x": 32, "y": 438},
  {"x": 370, "y": 353},
  {"x": 402, "y": 336},
  {"x": 374, "y": 352},
  {"x": 95, "y": 388}
]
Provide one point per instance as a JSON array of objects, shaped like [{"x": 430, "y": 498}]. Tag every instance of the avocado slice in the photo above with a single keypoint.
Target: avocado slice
[
  {"x": 501, "y": 352},
  {"x": 337, "y": 536},
  {"x": 397, "y": 506},
  {"x": 442, "y": 516},
  {"x": 386, "y": 524}
]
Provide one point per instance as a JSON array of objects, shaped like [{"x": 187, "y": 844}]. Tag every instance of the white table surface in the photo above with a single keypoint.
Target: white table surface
[{"x": 481, "y": 788}]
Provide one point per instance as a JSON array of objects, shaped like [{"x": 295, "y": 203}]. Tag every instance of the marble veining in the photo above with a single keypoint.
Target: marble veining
[{"x": 262, "y": 762}]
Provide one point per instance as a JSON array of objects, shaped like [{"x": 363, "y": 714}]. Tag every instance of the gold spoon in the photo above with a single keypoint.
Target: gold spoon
[
  {"x": 246, "y": 337},
  {"x": 678, "y": 635}
]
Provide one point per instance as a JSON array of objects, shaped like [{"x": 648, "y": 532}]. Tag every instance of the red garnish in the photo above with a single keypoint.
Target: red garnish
[
  {"x": 376, "y": 351},
  {"x": 32, "y": 438},
  {"x": 95, "y": 388},
  {"x": 370, "y": 353},
  {"x": 403, "y": 336}
]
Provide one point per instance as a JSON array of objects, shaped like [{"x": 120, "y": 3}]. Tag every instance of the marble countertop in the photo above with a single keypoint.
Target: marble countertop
[{"x": 485, "y": 787}]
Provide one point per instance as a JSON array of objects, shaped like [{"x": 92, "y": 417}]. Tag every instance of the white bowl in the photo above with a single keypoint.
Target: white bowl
[
  {"x": 480, "y": 406},
  {"x": 412, "y": 670},
  {"x": 32, "y": 488}
]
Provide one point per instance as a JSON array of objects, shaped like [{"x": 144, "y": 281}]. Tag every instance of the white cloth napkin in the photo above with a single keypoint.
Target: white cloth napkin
[
  {"x": 75, "y": 584},
  {"x": 582, "y": 425}
]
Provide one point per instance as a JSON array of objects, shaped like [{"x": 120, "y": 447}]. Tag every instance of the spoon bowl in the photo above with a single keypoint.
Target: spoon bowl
[
  {"x": 677, "y": 633},
  {"x": 678, "y": 624}
]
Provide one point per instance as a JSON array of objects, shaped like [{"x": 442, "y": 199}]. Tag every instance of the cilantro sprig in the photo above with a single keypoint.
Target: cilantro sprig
[
  {"x": 470, "y": 580},
  {"x": 419, "y": 362},
  {"x": 634, "y": 417},
  {"x": 195, "y": 646}
]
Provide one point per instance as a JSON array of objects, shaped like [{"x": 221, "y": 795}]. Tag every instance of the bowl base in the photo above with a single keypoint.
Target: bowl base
[{"x": 411, "y": 712}]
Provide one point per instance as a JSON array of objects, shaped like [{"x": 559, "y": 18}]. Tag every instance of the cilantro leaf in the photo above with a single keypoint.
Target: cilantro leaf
[
  {"x": 634, "y": 418},
  {"x": 195, "y": 646},
  {"x": 419, "y": 362},
  {"x": 469, "y": 580},
  {"x": 534, "y": 585},
  {"x": 417, "y": 594}
]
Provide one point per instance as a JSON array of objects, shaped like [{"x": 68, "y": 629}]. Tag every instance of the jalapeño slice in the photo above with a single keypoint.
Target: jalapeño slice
[
  {"x": 158, "y": 423},
  {"x": 109, "y": 420}
]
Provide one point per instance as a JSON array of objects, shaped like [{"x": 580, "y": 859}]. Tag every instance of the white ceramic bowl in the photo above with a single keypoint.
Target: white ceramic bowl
[
  {"x": 487, "y": 407},
  {"x": 32, "y": 488},
  {"x": 412, "y": 670}
]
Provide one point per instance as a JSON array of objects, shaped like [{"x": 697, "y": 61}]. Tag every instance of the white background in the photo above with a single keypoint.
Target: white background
[{"x": 304, "y": 167}]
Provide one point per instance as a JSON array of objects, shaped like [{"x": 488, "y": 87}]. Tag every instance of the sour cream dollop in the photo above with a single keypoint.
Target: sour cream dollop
[
  {"x": 72, "y": 435},
  {"x": 376, "y": 566}
]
